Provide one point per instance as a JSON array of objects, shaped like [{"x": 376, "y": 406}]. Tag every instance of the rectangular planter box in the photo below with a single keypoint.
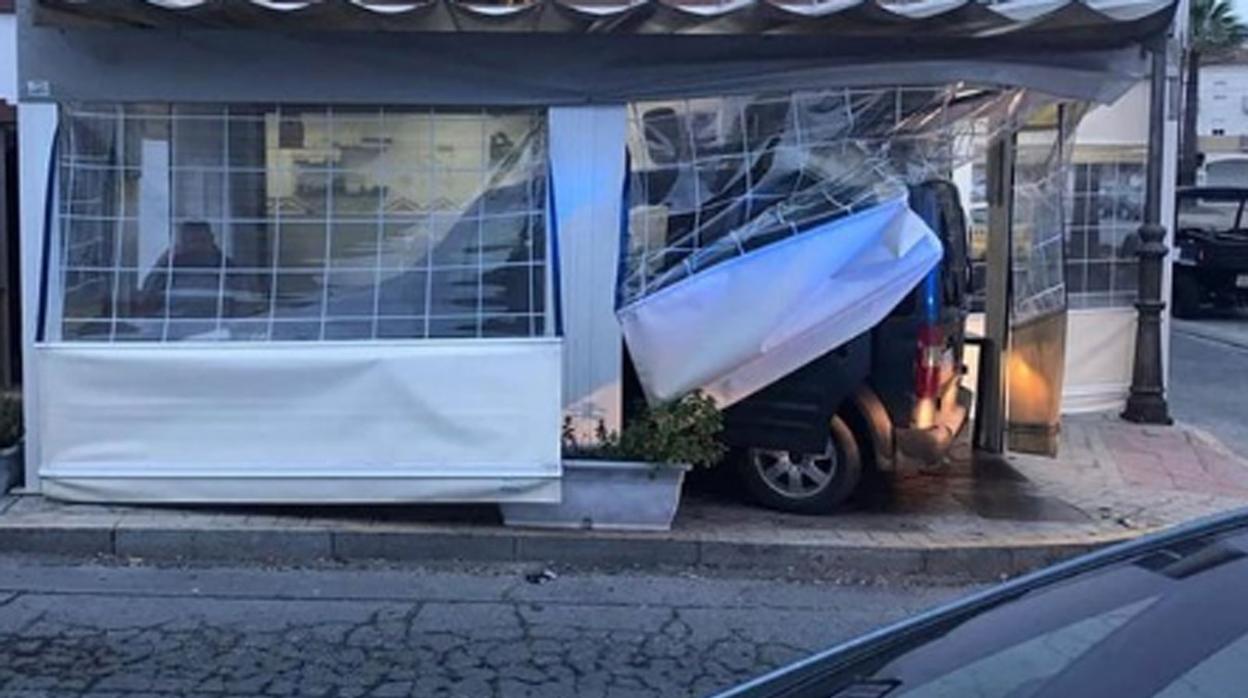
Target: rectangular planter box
[
  {"x": 607, "y": 495},
  {"x": 11, "y": 465}
]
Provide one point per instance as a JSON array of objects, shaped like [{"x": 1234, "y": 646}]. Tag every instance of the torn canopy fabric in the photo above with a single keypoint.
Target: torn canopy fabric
[
  {"x": 712, "y": 179},
  {"x": 765, "y": 231},
  {"x": 739, "y": 326}
]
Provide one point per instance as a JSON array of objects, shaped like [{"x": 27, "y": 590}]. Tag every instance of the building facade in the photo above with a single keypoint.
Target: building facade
[{"x": 1222, "y": 121}]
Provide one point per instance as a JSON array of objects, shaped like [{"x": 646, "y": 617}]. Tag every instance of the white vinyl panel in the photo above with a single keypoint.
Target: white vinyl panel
[
  {"x": 587, "y": 158},
  {"x": 36, "y": 127},
  {"x": 743, "y": 324},
  {"x": 1169, "y": 179},
  {"x": 8, "y": 58},
  {"x": 444, "y": 411},
  {"x": 1100, "y": 350}
]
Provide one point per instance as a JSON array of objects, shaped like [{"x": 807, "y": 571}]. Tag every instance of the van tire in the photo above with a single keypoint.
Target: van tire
[
  {"x": 1185, "y": 295},
  {"x": 804, "y": 483}
]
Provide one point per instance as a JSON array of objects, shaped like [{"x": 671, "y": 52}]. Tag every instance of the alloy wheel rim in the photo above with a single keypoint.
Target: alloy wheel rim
[{"x": 796, "y": 475}]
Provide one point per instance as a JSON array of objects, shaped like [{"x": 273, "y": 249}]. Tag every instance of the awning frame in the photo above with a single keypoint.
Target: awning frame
[{"x": 549, "y": 52}]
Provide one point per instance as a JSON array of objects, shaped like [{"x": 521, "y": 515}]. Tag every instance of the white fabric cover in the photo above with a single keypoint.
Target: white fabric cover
[
  {"x": 743, "y": 324},
  {"x": 587, "y": 172},
  {"x": 330, "y": 422}
]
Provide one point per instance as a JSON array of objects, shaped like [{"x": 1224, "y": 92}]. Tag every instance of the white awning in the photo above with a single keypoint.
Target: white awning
[
  {"x": 1069, "y": 22},
  {"x": 563, "y": 52}
]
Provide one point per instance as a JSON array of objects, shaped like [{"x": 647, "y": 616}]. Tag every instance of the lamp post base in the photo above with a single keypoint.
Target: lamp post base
[{"x": 1147, "y": 409}]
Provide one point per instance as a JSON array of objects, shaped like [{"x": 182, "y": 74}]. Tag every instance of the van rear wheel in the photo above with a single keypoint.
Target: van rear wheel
[
  {"x": 1186, "y": 295},
  {"x": 805, "y": 483}
]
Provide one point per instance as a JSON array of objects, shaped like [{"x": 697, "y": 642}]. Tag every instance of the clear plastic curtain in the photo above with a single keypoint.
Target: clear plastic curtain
[
  {"x": 261, "y": 223},
  {"x": 712, "y": 179},
  {"x": 774, "y": 227},
  {"x": 1041, "y": 183}
]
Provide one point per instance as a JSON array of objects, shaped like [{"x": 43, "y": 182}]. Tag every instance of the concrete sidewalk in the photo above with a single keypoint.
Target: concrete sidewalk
[
  {"x": 1142, "y": 477},
  {"x": 976, "y": 520}
]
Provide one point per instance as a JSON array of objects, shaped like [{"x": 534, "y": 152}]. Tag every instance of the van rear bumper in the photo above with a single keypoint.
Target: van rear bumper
[{"x": 928, "y": 445}]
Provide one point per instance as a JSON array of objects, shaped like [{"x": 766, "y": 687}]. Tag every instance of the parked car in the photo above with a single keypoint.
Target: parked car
[
  {"x": 1223, "y": 170},
  {"x": 1211, "y": 243},
  {"x": 1161, "y": 617}
]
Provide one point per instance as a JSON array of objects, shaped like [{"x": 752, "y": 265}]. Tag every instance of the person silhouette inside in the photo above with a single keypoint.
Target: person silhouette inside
[{"x": 196, "y": 262}]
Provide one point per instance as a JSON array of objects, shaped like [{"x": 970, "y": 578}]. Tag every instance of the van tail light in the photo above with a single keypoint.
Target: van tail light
[
  {"x": 929, "y": 352},
  {"x": 927, "y": 373}
]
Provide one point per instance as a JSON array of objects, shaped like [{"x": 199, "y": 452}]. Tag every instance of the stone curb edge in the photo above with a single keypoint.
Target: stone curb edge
[{"x": 971, "y": 562}]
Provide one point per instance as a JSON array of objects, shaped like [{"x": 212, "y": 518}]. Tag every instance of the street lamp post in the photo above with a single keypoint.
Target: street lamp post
[{"x": 1147, "y": 402}]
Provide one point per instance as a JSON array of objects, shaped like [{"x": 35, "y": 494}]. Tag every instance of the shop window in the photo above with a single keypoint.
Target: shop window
[{"x": 249, "y": 223}]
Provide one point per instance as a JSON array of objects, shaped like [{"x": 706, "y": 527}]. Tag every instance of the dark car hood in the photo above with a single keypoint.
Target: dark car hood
[{"x": 1179, "y": 596}]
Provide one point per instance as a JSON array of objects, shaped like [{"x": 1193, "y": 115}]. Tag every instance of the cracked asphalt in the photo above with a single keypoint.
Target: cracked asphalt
[{"x": 132, "y": 630}]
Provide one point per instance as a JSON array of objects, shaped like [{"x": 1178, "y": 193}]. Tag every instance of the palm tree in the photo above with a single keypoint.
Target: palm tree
[{"x": 1213, "y": 30}]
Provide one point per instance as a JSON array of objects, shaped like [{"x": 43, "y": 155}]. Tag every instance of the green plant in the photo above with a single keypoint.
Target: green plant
[
  {"x": 10, "y": 419},
  {"x": 681, "y": 431}
]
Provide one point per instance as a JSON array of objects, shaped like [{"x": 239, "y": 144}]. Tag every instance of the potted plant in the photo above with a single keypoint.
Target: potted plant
[
  {"x": 11, "y": 461},
  {"x": 630, "y": 480}
]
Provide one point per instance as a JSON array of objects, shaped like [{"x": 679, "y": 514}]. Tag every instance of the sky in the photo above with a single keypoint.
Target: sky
[{"x": 1241, "y": 9}]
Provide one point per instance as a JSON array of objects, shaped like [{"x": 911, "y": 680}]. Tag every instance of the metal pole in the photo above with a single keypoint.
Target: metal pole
[
  {"x": 1147, "y": 402},
  {"x": 8, "y": 328},
  {"x": 991, "y": 411}
]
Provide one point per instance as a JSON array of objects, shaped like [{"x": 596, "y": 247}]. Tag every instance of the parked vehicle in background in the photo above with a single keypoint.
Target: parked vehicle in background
[
  {"x": 888, "y": 398},
  {"x": 1211, "y": 250},
  {"x": 1223, "y": 170},
  {"x": 1161, "y": 617}
]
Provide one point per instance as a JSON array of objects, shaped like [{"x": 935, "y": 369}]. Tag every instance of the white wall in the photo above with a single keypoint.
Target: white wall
[
  {"x": 1124, "y": 122},
  {"x": 1223, "y": 100}
]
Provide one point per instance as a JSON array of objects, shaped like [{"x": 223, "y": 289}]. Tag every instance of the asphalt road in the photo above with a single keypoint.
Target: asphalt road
[
  {"x": 94, "y": 630},
  {"x": 1209, "y": 377}
]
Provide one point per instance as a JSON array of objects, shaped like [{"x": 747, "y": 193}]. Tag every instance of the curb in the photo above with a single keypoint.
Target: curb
[
  {"x": 299, "y": 545},
  {"x": 1193, "y": 329}
]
